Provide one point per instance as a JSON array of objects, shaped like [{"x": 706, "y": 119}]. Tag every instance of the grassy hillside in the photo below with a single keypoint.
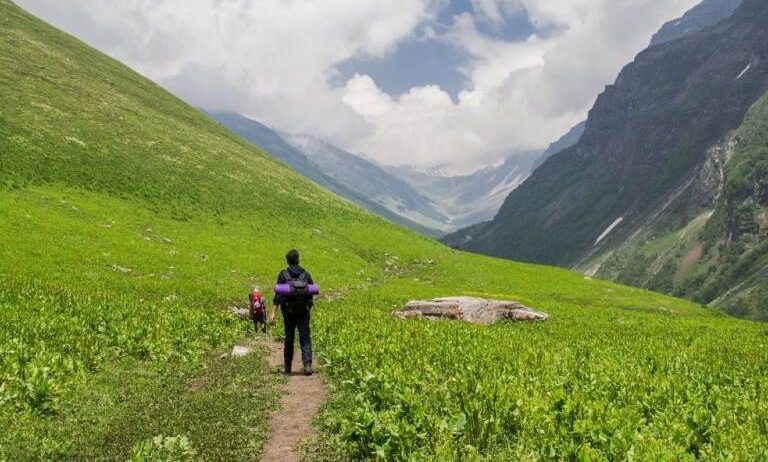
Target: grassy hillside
[{"x": 130, "y": 222}]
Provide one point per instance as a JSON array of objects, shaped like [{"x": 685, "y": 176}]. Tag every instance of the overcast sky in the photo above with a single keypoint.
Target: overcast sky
[{"x": 454, "y": 83}]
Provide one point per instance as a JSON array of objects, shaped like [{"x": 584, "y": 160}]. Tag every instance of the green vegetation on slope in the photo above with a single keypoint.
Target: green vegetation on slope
[
  {"x": 740, "y": 222},
  {"x": 130, "y": 222}
]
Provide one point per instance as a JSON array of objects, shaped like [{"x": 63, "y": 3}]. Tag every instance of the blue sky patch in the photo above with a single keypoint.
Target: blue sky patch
[{"x": 421, "y": 61}]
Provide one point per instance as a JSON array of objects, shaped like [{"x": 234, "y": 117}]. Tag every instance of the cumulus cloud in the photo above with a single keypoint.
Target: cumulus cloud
[
  {"x": 523, "y": 94},
  {"x": 276, "y": 60},
  {"x": 270, "y": 59}
]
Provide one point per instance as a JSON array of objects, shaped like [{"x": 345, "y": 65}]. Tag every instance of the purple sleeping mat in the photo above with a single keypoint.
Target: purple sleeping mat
[{"x": 285, "y": 289}]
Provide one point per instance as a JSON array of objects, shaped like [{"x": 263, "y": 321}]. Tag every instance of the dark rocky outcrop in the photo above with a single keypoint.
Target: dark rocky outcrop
[{"x": 703, "y": 15}]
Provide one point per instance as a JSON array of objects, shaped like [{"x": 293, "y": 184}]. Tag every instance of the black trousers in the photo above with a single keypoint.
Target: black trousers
[
  {"x": 292, "y": 323},
  {"x": 259, "y": 320}
]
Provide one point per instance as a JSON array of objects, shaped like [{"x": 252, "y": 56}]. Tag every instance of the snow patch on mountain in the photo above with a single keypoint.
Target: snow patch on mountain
[
  {"x": 746, "y": 69},
  {"x": 608, "y": 230}
]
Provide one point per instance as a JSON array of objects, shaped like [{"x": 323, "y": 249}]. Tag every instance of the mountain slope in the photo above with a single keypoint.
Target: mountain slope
[
  {"x": 709, "y": 244},
  {"x": 644, "y": 139},
  {"x": 371, "y": 181},
  {"x": 130, "y": 222},
  {"x": 703, "y": 15},
  {"x": 564, "y": 142},
  {"x": 383, "y": 194}
]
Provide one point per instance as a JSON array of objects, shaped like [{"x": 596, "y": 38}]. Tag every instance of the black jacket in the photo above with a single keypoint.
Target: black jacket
[{"x": 294, "y": 271}]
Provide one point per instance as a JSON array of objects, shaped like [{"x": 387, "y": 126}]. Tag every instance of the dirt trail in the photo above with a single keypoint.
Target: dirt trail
[{"x": 291, "y": 424}]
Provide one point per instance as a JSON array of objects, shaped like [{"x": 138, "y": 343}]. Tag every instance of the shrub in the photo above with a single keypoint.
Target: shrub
[{"x": 164, "y": 449}]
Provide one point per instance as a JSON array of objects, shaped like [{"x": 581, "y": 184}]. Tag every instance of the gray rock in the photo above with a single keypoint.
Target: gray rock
[
  {"x": 239, "y": 351},
  {"x": 470, "y": 309},
  {"x": 243, "y": 313}
]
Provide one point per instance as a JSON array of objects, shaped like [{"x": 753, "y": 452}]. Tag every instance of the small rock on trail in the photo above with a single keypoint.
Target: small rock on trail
[{"x": 238, "y": 351}]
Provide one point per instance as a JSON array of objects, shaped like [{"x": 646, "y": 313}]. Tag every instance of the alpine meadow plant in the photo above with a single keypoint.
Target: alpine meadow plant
[{"x": 164, "y": 449}]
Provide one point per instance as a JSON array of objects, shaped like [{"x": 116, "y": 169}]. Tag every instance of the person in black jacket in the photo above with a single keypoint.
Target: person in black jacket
[{"x": 296, "y": 313}]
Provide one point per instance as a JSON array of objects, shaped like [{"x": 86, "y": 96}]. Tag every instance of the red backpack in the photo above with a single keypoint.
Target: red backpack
[{"x": 257, "y": 303}]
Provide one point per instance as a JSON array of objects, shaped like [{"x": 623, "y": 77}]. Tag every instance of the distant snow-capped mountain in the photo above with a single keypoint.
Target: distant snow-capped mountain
[
  {"x": 470, "y": 199},
  {"x": 349, "y": 176},
  {"x": 426, "y": 200}
]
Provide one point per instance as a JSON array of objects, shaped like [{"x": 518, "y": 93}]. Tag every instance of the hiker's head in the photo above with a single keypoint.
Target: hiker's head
[
  {"x": 256, "y": 290},
  {"x": 292, "y": 257}
]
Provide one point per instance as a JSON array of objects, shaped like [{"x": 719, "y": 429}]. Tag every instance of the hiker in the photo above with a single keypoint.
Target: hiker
[
  {"x": 258, "y": 308},
  {"x": 295, "y": 309}
]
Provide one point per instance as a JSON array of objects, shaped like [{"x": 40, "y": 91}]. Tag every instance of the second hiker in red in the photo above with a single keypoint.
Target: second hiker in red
[{"x": 258, "y": 307}]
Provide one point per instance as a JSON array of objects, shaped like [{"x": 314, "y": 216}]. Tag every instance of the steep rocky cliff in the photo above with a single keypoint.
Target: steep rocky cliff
[
  {"x": 645, "y": 142},
  {"x": 710, "y": 243}
]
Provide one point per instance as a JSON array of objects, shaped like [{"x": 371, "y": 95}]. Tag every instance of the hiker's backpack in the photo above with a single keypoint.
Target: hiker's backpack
[
  {"x": 299, "y": 300},
  {"x": 257, "y": 304}
]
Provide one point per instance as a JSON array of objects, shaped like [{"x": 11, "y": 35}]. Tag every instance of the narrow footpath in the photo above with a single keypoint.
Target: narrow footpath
[{"x": 291, "y": 423}]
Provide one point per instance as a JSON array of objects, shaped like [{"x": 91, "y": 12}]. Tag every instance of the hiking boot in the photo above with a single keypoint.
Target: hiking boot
[
  {"x": 287, "y": 370},
  {"x": 308, "y": 369}
]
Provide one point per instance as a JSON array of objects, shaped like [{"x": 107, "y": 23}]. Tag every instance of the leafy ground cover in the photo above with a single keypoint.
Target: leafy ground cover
[
  {"x": 603, "y": 380},
  {"x": 129, "y": 224}
]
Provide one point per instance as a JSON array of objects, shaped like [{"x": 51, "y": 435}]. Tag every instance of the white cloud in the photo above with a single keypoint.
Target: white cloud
[
  {"x": 524, "y": 94},
  {"x": 488, "y": 10},
  {"x": 270, "y": 59},
  {"x": 275, "y": 60}
]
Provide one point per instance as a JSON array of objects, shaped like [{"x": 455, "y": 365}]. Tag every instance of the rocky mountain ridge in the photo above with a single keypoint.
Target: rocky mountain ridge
[
  {"x": 645, "y": 134},
  {"x": 705, "y": 14},
  {"x": 647, "y": 140},
  {"x": 710, "y": 243}
]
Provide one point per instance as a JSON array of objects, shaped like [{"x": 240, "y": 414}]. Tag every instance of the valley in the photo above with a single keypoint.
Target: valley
[{"x": 133, "y": 224}]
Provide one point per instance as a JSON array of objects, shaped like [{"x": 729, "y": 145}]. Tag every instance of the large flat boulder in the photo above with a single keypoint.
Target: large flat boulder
[{"x": 470, "y": 309}]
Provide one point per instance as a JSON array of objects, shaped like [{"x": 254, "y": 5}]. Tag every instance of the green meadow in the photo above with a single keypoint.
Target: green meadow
[{"x": 130, "y": 223}]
